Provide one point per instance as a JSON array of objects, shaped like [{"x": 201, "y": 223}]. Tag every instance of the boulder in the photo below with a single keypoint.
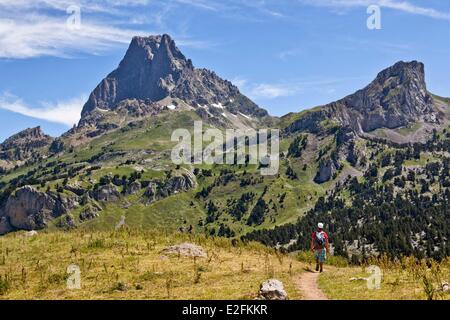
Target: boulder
[
  {"x": 30, "y": 234},
  {"x": 272, "y": 289},
  {"x": 186, "y": 250}
]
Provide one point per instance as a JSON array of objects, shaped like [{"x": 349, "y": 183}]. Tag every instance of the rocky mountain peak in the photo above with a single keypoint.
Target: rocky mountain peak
[
  {"x": 153, "y": 49},
  {"x": 404, "y": 72},
  {"x": 22, "y": 145},
  {"x": 397, "y": 96},
  {"x": 153, "y": 69},
  {"x": 26, "y": 137}
]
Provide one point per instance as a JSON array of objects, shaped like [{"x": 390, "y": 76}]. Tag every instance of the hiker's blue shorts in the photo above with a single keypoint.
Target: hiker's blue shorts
[{"x": 321, "y": 255}]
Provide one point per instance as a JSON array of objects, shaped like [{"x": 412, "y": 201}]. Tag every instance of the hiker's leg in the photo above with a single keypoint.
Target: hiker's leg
[
  {"x": 321, "y": 267},
  {"x": 317, "y": 261}
]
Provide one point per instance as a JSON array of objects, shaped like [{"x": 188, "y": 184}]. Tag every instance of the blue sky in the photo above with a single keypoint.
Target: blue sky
[{"x": 287, "y": 55}]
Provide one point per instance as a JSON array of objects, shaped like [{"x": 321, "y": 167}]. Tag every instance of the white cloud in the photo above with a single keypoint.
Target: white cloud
[
  {"x": 45, "y": 36},
  {"x": 293, "y": 87},
  {"x": 63, "y": 112},
  {"x": 34, "y": 28},
  {"x": 405, "y": 6},
  {"x": 271, "y": 91}
]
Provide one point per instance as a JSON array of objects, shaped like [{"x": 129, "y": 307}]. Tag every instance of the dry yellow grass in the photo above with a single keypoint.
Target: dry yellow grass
[
  {"x": 400, "y": 281},
  {"x": 129, "y": 265}
]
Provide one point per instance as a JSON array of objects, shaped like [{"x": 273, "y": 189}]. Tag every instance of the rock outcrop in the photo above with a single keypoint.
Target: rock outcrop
[
  {"x": 185, "y": 250},
  {"x": 158, "y": 190},
  {"x": 327, "y": 169},
  {"x": 183, "y": 182},
  {"x": 89, "y": 213},
  {"x": 106, "y": 193},
  {"x": 151, "y": 192},
  {"x": 29, "y": 209},
  {"x": 133, "y": 188}
]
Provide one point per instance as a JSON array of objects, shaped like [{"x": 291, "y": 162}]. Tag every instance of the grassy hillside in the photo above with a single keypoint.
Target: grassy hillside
[{"x": 129, "y": 265}]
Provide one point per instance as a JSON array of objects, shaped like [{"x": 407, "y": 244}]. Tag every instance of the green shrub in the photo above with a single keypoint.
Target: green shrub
[
  {"x": 5, "y": 284},
  {"x": 308, "y": 257}
]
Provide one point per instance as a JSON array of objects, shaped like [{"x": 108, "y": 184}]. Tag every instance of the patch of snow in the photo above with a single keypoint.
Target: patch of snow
[
  {"x": 244, "y": 115},
  {"x": 102, "y": 110},
  {"x": 172, "y": 107},
  {"x": 217, "y": 105},
  {"x": 223, "y": 113}
]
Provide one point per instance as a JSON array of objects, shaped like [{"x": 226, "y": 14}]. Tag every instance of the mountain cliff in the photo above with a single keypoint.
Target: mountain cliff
[{"x": 396, "y": 98}]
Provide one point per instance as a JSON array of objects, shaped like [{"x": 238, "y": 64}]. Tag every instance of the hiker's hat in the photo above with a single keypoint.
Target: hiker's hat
[{"x": 320, "y": 225}]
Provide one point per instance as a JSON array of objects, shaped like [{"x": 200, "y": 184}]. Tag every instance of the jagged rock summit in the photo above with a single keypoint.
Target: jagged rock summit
[
  {"x": 154, "y": 69},
  {"x": 22, "y": 145},
  {"x": 397, "y": 97}
]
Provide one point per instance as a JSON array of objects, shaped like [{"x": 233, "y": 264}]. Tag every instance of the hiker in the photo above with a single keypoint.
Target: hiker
[{"x": 320, "y": 246}]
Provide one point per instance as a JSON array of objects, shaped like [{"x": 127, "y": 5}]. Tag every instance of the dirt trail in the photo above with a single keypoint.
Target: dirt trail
[{"x": 307, "y": 285}]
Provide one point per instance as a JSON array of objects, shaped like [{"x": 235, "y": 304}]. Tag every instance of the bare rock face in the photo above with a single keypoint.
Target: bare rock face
[
  {"x": 89, "y": 213},
  {"x": 29, "y": 209},
  {"x": 22, "y": 145},
  {"x": 157, "y": 190},
  {"x": 398, "y": 96},
  {"x": 154, "y": 69},
  {"x": 186, "y": 250},
  {"x": 272, "y": 289},
  {"x": 5, "y": 226},
  {"x": 180, "y": 183},
  {"x": 151, "y": 192},
  {"x": 133, "y": 188},
  {"x": 106, "y": 193},
  {"x": 327, "y": 169}
]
